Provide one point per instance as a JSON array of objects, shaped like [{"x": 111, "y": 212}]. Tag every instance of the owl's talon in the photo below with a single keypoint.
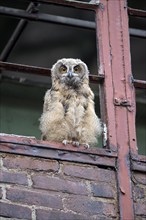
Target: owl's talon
[
  {"x": 87, "y": 146},
  {"x": 65, "y": 142},
  {"x": 76, "y": 143}
]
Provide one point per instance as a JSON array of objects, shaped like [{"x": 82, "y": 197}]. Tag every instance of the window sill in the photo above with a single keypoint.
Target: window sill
[{"x": 23, "y": 145}]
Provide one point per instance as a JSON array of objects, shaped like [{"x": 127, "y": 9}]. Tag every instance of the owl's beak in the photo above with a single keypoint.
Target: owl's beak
[{"x": 70, "y": 74}]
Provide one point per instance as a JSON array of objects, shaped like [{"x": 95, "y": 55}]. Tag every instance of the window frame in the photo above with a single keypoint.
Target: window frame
[{"x": 117, "y": 91}]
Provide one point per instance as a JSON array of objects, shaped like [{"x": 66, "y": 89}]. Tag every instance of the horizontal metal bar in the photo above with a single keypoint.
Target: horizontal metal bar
[
  {"x": 39, "y": 70},
  {"x": 136, "y": 12},
  {"x": 25, "y": 68},
  {"x": 92, "y": 5},
  {"x": 16, "y": 34},
  {"x": 141, "y": 84},
  {"x": 137, "y": 33},
  {"x": 60, "y": 20},
  {"x": 18, "y": 13}
]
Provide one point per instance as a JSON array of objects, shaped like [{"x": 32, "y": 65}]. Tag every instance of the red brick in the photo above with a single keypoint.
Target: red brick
[
  {"x": 140, "y": 178},
  {"x": 90, "y": 173},
  {"x": 103, "y": 190},
  {"x": 139, "y": 193},
  {"x": 34, "y": 198},
  {"x": 59, "y": 215},
  {"x": 15, "y": 178},
  {"x": 14, "y": 211},
  {"x": 139, "y": 218},
  {"x": 30, "y": 163},
  {"x": 90, "y": 207},
  {"x": 140, "y": 208},
  {"x": 60, "y": 185}
]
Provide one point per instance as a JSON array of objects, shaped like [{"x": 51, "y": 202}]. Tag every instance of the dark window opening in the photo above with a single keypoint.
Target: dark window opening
[
  {"x": 54, "y": 32},
  {"x": 137, "y": 22},
  {"x": 41, "y": 44}
]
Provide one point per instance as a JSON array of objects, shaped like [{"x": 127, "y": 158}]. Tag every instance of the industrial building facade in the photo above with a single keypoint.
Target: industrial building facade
[{"x": 46, "y": 181}]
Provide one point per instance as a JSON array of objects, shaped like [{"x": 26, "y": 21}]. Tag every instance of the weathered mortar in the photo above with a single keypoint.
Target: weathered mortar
[
  {"x": 49, "y": 181},
  {"x": 139, "y": 195},
  {"x": 37, "y": 188}
]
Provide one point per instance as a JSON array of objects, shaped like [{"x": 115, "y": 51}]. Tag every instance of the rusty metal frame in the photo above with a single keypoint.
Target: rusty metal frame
[
  {"x": 117, "y": 89},
  {"x": 42, "y": 17},
  {"x": 39, "y": 70},
  {"x": 32, "y": 8},
  {"x": 113, "y": 36},
  {"x": 30, "y": 146},
  {"x": 136, "y": 12},
  {"x": 69, "y": 3}
]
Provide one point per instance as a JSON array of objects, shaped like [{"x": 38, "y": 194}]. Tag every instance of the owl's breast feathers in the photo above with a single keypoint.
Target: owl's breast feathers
[
  {"x": 73, "y": 100},
  {"x": 68, "y": 112}
]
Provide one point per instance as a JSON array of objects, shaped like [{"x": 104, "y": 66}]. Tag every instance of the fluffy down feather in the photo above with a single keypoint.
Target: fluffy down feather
[{"x": 68, "y": 112}]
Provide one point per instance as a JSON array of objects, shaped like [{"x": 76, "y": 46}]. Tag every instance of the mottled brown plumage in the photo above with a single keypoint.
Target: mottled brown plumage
[{"x": 68, "y": 113}]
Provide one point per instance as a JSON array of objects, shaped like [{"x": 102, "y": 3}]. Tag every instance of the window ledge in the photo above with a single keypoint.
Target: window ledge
[{"x": 23, "y": 145}]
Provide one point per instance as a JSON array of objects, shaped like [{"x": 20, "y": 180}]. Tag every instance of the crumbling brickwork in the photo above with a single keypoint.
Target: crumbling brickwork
[
  {"x": 139, "y": 191},
  {"x": 47, "y": 189},
  {"x": 48, "y": 181},
  {"x": 139, "y": 188}
]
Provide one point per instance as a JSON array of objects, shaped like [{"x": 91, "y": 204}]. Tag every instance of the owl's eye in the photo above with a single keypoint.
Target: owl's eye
[
  {"x": 63, "y": 69},
  {"x": 77, "y": 68}
]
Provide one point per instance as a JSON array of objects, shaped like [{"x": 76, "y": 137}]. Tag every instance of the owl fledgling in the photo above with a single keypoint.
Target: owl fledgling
[{"x": 68, "y": 113}]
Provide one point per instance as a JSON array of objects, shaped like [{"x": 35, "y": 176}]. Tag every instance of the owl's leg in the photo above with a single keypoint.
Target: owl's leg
[
  {"x": 86, "y": 145},
  {"x": 43, "y": 137}
]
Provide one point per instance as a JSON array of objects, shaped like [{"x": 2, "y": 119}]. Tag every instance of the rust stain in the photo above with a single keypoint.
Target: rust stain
[{"x": 118, "y": 91}]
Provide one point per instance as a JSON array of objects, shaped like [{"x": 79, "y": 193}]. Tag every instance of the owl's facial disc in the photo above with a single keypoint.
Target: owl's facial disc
[
  {"x": 77, "y": 69},
  {"x": 63, "y": 69},
  {"x": 70, "y": 75}
]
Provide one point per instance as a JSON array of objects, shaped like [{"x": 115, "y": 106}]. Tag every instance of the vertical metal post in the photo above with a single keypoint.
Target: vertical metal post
[
  {"x": 102, "y": 33},
  {"x": 113, "y": 38}
]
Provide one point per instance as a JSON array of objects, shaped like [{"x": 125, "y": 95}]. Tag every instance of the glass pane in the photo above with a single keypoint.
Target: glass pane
[
  {"x": 141, "y": 120},
  {"x": 42, "y": 44},
  {"x": 20, "y": 109}
]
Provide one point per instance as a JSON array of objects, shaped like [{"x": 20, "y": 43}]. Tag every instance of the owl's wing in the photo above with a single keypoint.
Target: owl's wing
[{"x": 47, "y": 101}]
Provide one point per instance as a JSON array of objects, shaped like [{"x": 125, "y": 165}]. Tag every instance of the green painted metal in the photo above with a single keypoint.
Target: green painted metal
[{"x": 20, "y": 109}]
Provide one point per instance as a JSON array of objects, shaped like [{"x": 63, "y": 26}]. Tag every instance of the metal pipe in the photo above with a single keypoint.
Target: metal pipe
[
  {"x": 137, "y": 33},
  {"x": 25, "y": 68},
  {"x": 136, "y": 12},
  {"x": 141, "y": 84},
  {"x": 92, "y": 5},
  {"x": 39, "y": 70},
  {"x": 18, "y": 13},
  {"x": 60, "y": 20},
  {"x": 16, "y": 34}
]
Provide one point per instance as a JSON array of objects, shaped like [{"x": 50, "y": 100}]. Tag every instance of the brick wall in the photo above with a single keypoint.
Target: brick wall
[
  {"x": 47, "y": 189},
  {"x": 50, "y": 181},
  {"x": 139, "y": 187}
]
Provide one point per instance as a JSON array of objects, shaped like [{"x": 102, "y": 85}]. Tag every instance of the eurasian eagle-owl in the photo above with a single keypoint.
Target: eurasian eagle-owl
[{"x": 68, "y": 112}]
